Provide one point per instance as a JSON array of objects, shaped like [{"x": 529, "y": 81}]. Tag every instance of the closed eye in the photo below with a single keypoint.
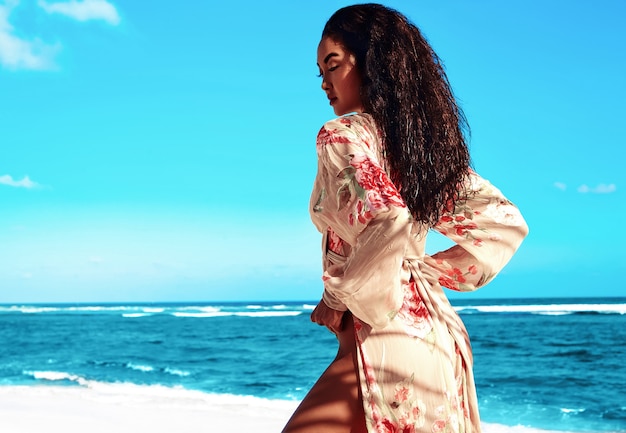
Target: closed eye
[{"x": 321, "y": 74}]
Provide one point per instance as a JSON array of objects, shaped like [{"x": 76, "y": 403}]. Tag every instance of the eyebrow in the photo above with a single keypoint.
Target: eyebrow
[{"x": 327, "y": 58}]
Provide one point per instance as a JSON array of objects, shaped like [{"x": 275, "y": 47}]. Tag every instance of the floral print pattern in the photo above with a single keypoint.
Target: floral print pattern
[
  {"x": 363, "y": 184},
  {"x": 414, "y": 314},
  {"x": 415, "y": 363}
]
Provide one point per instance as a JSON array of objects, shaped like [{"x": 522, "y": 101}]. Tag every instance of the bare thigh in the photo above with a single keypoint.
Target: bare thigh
[{"x": 333, "y": 405}]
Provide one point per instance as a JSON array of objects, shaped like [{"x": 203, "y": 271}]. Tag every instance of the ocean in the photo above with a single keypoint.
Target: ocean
[{"x": 540, "y": 364}]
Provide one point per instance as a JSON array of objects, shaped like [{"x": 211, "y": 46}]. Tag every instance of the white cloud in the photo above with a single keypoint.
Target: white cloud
[
  {"x": 600, "y": 189},
  {"x": 85, "y": 10},
  {"x": 18, "y": 53},
  {"x": 560, "y": 185},
  {"x": 25, "y": 182}
]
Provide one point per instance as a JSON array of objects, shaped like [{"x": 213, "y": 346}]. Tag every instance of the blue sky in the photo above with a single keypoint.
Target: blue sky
[{"x": 159, "y": 151}]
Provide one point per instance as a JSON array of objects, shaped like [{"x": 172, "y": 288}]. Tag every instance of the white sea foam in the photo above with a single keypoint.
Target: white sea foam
[
  {"x": 97, "y": 308},
  {"x": 238, "y": 313},
  {"x": 176, "y": 372},
  {"x": 140, "y": 367},
  {"x": 135, "y": 311},
  {"x": 34, "y": 309},
  {"x": 208, "y": 309},
  {"x": 56, "y": 376},
  {"x": 28, "y": 309},
  {"x": 567, "y": 410},
  {"x": 269, "y": 314},
  {"x": 554, "y": 313},
  {"x": 215, "y": 314},
  {"x": 547, "y": 309}
]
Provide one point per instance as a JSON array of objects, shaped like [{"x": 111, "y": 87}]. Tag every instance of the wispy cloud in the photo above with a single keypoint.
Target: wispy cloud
[
  {"x": 586, "y": 189},
  {"x": 19, "y": 53},
  {"x": 22, "y": 53},
  {"x": 600, "y": 189},
  {"x": 25, "y": 182},
  {"x": 85, "y": 10}
]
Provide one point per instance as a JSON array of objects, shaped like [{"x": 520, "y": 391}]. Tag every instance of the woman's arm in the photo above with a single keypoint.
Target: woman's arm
[
  {"x": 361, "y": 205},
  {"x": 487, "y": 229}
]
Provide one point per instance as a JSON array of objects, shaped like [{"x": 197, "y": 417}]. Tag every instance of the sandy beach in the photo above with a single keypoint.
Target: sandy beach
[
  {"x": 127, "y": 408},
  {"x": 139, "y": 409}
]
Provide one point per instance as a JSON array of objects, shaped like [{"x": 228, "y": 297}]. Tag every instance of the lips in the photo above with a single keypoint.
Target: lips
[{"x": 332, "y": 100}]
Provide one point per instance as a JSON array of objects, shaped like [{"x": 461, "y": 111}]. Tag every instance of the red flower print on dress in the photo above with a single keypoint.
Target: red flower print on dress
[
  {"x": 455, "y": 278},
  {"x": 345, "y": 121},
  {"x": 460, "y": 224},
  {"x": 325, "y": 137},
  {"x": 335, "y": 243},
  {"x": 448, "y": 282},
  {"x": 357, "y": 325},
  {"x": 367, "y": 182},
  {"x": 409, "y": 428},
  {"x": 414, "y": 418},
  {"x": 414, "y": 314},
  {"x": 372, "y": 177},
  {"x": 461, "y": 229},
  {"x": 456, "y": 275},
  {"x": 387, "y": 426},
  {"x": 374, "y": 191},
  {"x": 402, "y": 394},
  {"x": 439, "y": 425}
]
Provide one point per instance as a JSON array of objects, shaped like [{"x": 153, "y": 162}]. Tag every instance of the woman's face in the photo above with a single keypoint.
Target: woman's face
[{"x": 340, "y": 77}]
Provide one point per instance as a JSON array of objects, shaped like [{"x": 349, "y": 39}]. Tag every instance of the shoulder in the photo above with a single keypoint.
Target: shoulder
[
  {"x": 354, "y": 128},
  {"x": 353, "y": 122}
]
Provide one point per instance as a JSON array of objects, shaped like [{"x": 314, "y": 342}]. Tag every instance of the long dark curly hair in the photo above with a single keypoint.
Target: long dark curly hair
[{"x": 406, "y": 90}]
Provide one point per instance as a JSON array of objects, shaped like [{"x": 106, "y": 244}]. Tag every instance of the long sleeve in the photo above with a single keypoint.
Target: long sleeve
[
  {"x": 370, "y": 282},
  {"x": 487, "y": 229},
  {"x": 357, "y": 201}
]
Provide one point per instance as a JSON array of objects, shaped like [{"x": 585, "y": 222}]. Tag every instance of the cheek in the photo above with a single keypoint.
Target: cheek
[
  {"x": 355, "y": 89},
  {"x": 353, "y": 82}
]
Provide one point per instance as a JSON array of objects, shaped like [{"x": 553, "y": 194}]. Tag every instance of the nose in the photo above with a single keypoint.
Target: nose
[{"x": 325, "y": 85}]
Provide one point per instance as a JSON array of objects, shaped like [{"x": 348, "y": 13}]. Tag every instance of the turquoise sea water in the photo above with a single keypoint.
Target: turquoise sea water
[{"x": 552, "y": 364}]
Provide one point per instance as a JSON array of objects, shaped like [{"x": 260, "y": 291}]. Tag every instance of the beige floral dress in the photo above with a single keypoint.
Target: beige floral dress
[{"x": 415, "y": 360}]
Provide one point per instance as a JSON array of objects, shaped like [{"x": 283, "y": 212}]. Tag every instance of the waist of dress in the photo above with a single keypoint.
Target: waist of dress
[{"x": 334, "y": 258}]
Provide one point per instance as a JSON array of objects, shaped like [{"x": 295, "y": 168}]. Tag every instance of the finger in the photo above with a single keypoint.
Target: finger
[
  {"x": 317, "y": 320},
  {"x": 314, "y": 316}
]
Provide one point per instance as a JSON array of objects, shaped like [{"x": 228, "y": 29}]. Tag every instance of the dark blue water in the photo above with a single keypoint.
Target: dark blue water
[{"x": 549, "y": 364}]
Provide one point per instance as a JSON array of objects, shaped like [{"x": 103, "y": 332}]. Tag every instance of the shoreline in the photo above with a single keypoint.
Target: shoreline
[{"x": 127, "y": 408}]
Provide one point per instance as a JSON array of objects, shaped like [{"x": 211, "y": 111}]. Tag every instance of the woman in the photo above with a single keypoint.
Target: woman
[{"x": 388, "y": 173}]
